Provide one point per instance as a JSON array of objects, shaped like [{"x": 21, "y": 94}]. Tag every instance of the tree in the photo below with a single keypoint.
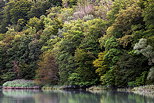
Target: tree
[
  {"x": 56, "y": 2},
  {"x": 35, "y": 23},
  {"x": 47, "y": 73},
  {"x": 148, "y": 15},
  {"x": 66, "y": 52},
  {"x": 72, "y": 36},
  {"x": 24, "y": 53},
  {"x": 2, "y": 4},
  {"x": 124, "y": 21},
  {"x": 147, "y": 50},
  {"x": 69, "y": 3},
  {"x": 18, "y": 10},
  {"x": 88, "y": 49},
  {"x": 39, "y": 8},
  {"x": 12, "y": 12}
]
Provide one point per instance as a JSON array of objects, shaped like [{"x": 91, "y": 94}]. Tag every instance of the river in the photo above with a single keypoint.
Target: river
[{"x": 57, "y": 96}]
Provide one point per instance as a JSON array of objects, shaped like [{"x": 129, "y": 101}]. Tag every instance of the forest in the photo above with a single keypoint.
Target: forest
[{"x": 77, "y": 42}]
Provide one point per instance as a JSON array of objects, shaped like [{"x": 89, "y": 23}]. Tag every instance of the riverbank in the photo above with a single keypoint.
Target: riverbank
[
  {"x": 70, "y": 96},
  {"x": 147, "y": 90},
  {"x": 64, "y": 87}
]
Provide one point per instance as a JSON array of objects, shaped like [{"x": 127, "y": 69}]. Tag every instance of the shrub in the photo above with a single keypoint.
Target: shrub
[{"x": 20, "y": 83}]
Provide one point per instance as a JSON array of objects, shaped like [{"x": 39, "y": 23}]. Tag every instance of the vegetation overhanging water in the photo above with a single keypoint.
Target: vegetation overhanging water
[{"x": 77, "y": 43}]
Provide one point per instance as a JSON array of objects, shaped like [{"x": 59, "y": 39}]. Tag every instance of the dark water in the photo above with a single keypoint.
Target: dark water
[{"x": 35, "y": 96}]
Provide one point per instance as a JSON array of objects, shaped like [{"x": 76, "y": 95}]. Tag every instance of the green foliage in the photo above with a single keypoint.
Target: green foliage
[
  {"x": 128, "y": 65},
  {"x": 69, "y": 3},
  {"x": 8, "y": 76},
  {"x": 23, "y": 10},
  {"x": 85, "y": 42},
  {"x": 139, "y": 80},
  {"x": 111, "y": 49},
  {"x": 151, "y": 40},
  {"x": 148, "y": 15},
  {"x": 74, "y": 79},
  {"x": 18, "y": 10},
  {"x": 112, "y": 55},
  {"x": 54, "y": 12},
  {"x": 65, "y": 56},
  {"x": 108, "y": 78},
  {"x": 151, "y": 73},
  {"x": 88, "y": 49},
  {"x": 35, "y": 23},
  {"x": 110, "y": 43},
  {"x": 117, "y": 6},
  {"x": 124, "y": 20},
  {"x": 22, "y": 56},
  {"x": 51, "y": 28},
  {"x": 56, "y": 2},
  {"x": 39, "y": 8},
  {"x": 66, "y": 14},
  {"x": 2, "y": 25},
  {"x": 20, "y": 25}
]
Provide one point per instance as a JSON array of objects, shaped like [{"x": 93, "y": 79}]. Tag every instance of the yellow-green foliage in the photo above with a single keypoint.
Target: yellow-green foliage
[
  {"x": 35, "y": 23},
  {"x": 124, "y": 20},
  {"x": 100, "y": 64},
  {"x": 66, "y": 14},
  {"x": 125, "y": 40},
  {"x": 1, "y": 36}
]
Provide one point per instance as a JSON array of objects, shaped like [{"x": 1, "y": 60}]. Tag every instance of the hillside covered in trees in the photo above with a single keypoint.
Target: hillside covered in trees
[{"x": 77, "y": 42}]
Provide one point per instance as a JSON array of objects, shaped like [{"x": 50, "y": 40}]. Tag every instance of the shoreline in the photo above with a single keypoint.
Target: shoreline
[{"x": 147, "y": 90}]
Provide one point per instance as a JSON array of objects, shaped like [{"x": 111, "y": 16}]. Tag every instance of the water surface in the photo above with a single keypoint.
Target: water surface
[{"x": 36, "y": 96}]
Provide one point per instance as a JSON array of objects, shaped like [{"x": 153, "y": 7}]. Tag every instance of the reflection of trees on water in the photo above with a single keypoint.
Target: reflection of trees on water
[
  {"x": 19, "y": 96},
  {"x": 67, "y": 97},
  {"x": 19, "y": 93},
  {"x": 121, "y": 97},
  {"x": 47, "y": 98},
  {"x": 79, "y": 97},
  {"x": 27, "y": 96}
]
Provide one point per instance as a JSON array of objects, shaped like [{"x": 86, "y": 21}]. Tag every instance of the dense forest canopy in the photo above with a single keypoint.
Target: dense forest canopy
[{"x": 77, "y": 42}]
